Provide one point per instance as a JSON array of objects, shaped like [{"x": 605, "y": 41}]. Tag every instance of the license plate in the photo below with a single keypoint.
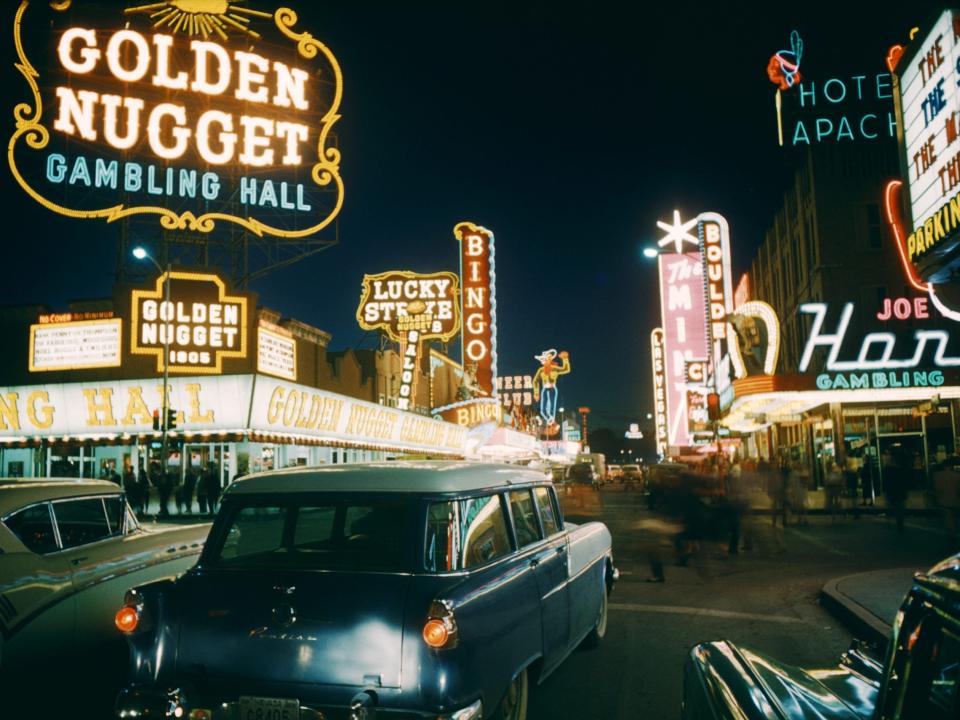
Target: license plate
[{"x": 261, "y": 708}]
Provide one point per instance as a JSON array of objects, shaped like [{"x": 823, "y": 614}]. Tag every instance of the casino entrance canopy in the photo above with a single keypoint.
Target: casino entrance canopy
[{"x": 759, "y": 402}]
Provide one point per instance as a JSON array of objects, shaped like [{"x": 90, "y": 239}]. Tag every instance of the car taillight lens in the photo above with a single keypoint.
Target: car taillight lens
[
  {"x": 127, "y": 619},
  {"x": 440, "y": 630},
  {"x": 435, "y": 633}
]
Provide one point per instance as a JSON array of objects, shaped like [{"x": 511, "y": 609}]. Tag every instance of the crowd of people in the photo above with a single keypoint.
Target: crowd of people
[
  {"x": 198, "y": 483},
  {"x": 727, "y": 506}
]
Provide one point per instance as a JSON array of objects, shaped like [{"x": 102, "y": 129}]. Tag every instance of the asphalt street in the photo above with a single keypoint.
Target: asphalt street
[{"x": 766, "y": 598}]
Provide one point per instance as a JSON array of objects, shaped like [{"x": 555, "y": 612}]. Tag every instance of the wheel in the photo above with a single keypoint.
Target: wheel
[
  {"x": 595, "y": 635},
  {"x": 514, "y": 703}
]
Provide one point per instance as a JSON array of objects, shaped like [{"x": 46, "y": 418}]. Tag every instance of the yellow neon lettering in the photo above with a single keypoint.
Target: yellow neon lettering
[
  {"x": 9, "y": 415},
  {"x": 40, "y": 417},
  {"x": 99, "y": 402}
]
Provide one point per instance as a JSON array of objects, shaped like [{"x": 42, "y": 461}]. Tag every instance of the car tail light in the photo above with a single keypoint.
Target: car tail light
[
  {"x": 440, "y": 630},
  {"x": 127, "y": 619}
]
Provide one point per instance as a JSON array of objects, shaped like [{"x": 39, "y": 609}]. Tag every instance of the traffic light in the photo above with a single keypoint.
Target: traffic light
[
  {"x": 156, "y": 419},
  {"x": 171, "y": 418},
  {"x": 713, "y": 406}
]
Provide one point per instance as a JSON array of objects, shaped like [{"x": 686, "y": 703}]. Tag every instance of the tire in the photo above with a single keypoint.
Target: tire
[
  {"x": 599, "y": 629},
  {"x": 513, "y": 706}
]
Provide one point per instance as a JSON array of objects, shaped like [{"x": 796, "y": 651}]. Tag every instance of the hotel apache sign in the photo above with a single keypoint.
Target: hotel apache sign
[
  {"x": 201, "y": 324},
  {"x": 179, "y": 111}
]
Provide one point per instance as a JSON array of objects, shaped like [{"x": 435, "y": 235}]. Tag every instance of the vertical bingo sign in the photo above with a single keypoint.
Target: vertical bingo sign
[{"x": 479, "y": 304}]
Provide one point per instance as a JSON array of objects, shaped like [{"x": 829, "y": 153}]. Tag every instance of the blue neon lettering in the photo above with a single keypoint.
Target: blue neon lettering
[
  {"x": 826, "y": 90},
  {"x": 132, "y": 177},
  {"x": 800, "y": 133},
  {"x": 863, "y": 129},
  {"x": 210, "y": 186},
  {"x": 105, "y": 174},
  {"x": 56, "y": 168},
  {"x": 821, "y": 123},
  {"x": 80, "y": 172}
]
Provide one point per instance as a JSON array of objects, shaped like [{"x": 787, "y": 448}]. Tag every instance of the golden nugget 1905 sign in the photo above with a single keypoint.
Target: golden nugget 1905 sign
[{"x": 195, "y": 112}]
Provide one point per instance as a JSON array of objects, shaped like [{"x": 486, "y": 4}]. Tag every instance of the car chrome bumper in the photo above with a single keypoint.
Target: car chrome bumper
[{"x": 142, "y": 704}]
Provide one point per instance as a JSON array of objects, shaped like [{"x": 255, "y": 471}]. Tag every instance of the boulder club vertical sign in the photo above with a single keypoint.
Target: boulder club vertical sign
[{"x": 479, "y": 302}]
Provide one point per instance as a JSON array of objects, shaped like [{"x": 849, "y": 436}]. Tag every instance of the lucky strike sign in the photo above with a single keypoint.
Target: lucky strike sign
[
  {"x": 177, "y": 111},
  {"x": 399, "y": 301}
]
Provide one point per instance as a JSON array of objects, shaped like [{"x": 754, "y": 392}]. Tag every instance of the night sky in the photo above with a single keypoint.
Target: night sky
[{"x": 567, "y": 129}]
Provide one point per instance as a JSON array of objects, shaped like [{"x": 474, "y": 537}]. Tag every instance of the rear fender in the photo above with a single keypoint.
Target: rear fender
[{"x": 153, "y": 645}]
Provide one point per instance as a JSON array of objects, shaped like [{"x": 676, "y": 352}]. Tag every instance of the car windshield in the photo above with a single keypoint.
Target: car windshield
[{"x": 343, "y": 533}]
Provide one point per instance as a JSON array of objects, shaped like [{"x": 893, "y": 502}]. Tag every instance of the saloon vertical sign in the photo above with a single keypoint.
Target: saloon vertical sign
[{"x": 479, "y": 302}]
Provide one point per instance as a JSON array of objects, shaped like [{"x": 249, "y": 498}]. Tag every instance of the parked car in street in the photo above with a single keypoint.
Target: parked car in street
[
  {"x": 632, "y": 476},
  {"x": 583, "y": 473},
  {"x": 411, "y": 589},
  {"x": 916, "y": 678},
  {"x": 614, "y": 472},
  {"x": 69, "y": 551}
]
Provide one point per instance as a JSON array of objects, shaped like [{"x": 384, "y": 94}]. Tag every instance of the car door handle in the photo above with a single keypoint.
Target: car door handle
[
  {"x": 77, "y": 561},
  {"x": 534, "y": 562},
  {"x": 561, "y": 550}
]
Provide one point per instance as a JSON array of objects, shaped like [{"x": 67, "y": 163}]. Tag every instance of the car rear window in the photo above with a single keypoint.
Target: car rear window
[
  {"x": 465, "y": 533},
  {"x": 34, "y": 528},
  {"x": 336, "y": 534},
  {"x": 81, "y": 522}
]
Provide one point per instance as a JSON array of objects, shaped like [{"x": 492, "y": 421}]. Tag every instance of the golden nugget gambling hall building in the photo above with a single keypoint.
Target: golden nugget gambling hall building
[{"x": 249, "y": 390}]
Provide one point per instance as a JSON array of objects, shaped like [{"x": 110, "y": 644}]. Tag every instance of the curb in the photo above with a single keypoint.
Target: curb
[{"x": 860, "y": 621}]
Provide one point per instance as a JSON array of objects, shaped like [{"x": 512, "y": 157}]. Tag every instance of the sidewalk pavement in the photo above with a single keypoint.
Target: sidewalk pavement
[{"x": 868, "y": 602}]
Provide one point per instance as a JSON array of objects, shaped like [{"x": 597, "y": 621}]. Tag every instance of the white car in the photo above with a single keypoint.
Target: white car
[{"x": 69, "y": 550}]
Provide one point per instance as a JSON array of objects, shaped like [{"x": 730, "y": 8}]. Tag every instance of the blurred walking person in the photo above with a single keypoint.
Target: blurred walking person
[
  {"x": 833, "y": 486},
  {"x": 946, "y": 485},
  {"x": 895, "y": 478},
  {"x": 797, "y": 493}
]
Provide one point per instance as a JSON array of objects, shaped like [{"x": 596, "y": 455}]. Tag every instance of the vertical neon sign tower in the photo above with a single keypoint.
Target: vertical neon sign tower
[{"x": 478, "y": 304}]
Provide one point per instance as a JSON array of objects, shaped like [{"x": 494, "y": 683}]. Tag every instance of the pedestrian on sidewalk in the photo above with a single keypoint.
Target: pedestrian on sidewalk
[
  {"x": 868, "y": 473},
  {"x": 797, "y": 493},
  {"x": 833, "y": 486},
  {"x": 895, "y": 478},
  {"x": 777, "y": 491},
  {"x": 946, "y": 485},
  {"x": 189, "y": 487},
  {"x": 851, "y": 481},
  {"x": 143, "y": 491}
]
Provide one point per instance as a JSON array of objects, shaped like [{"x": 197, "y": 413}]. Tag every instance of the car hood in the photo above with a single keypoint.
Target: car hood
[
  {"x": 723, "y": 680},
  {"x": 317, "y": 627}
]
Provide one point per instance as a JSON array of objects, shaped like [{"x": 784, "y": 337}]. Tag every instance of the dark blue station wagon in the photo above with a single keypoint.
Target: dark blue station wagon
[{"x": 405, "y": 589}]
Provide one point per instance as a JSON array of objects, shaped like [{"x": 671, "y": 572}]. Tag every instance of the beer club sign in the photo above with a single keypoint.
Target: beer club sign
[{"x": 176, "y": 111}]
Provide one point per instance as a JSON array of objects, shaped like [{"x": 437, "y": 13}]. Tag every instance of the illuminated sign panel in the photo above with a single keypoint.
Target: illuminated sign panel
[
  {"x": 471, "y": 413},
  {"x": 882, "y": 360},
  {"x": 276, "y": 353},
  {"x": 928, "y": 105},
  {"x": 683, "y": 312},
  {"x": 75, "y": 345},
  {"x": 479, "y": 302},
  {"x": 696, "y": 372},
  {"x": 410, "y": 308},
  {"x": 515, "y": 391},
  {"x": 192, "y": 113},
  {"x": 399, "y": 301},
  {"x": 658, "y": 361},
  {"x": 201, "y": 323}
]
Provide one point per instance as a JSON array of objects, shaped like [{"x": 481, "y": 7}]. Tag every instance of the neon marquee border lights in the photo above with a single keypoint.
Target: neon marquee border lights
[
  {"x": 769, "y": 316},
  {"x": 324, "y": 172}
]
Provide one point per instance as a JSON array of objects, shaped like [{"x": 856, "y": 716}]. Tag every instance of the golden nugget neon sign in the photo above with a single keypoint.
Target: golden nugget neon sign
[{"x": 178, "y": 110}]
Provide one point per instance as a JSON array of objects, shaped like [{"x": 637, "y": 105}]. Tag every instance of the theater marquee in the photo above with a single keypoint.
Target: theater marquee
[
  {"x": 201, "y": 323},
  {"x": 193, "y": 113}
]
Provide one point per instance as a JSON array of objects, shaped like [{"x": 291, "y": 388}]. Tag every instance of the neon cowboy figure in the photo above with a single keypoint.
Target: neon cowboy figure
[{"x": 545, "y": 385}]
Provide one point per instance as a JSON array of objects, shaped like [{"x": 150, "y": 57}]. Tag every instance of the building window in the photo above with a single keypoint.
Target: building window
[{"x": 874, "y": 227}]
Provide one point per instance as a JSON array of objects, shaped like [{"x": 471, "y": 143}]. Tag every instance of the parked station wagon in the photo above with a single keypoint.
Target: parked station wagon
[
  {"x": 918, "y": 680},
  {"x": 69, "y": 551},
  {"x": 408, "y": 589}
]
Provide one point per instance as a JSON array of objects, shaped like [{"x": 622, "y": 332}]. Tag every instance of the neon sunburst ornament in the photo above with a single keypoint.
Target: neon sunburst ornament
[
  {"x": 200, "y": 17},
  {"x": 678, "y": 233}
]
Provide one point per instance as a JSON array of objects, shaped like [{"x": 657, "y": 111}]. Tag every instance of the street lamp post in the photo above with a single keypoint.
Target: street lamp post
[{"x": 141, "y": 254}]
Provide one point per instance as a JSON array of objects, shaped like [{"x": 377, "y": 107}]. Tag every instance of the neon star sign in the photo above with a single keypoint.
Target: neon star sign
[
  {"x": 678, "y": 233},
  {"x": 174, "y": 111}
]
